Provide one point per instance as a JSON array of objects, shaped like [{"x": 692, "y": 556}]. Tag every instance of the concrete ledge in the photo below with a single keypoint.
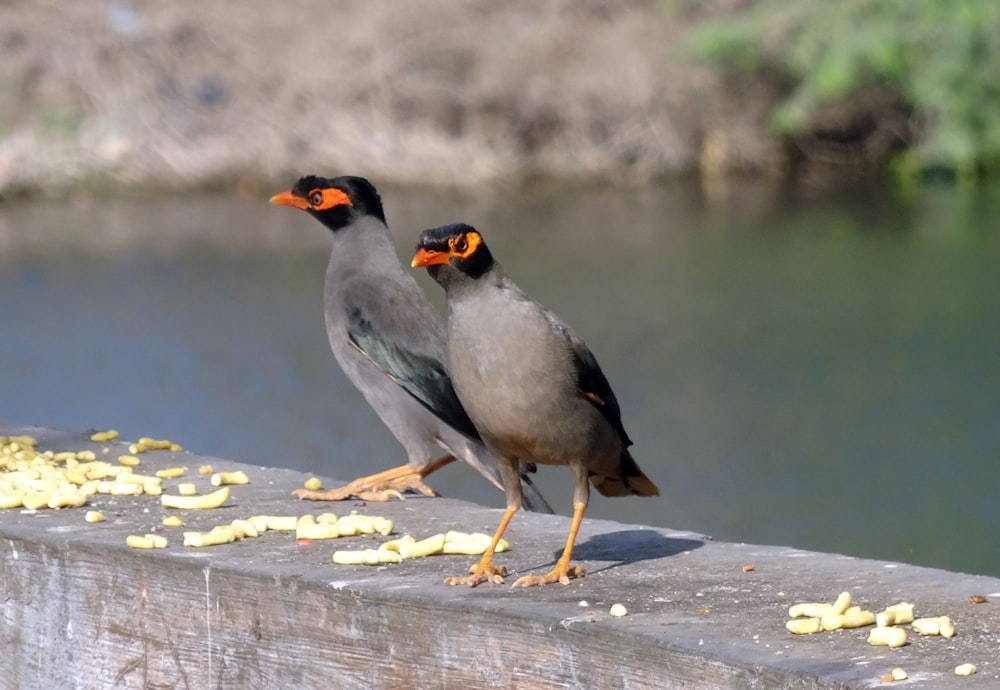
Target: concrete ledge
[{"x": 82, "y": 610}]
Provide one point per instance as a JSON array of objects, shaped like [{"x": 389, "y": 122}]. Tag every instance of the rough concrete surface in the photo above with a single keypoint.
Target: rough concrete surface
[{"x": 82, "y": 610}]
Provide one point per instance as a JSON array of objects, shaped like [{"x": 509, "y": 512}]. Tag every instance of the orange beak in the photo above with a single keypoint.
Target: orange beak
[
  {"x": 429, "y": 257},
  {"x": 289, "y": 199}
]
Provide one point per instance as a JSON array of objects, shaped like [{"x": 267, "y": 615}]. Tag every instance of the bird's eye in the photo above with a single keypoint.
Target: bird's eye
[
  {"x": 316, "y": 198},
  {"x": 461, "y": 244}
]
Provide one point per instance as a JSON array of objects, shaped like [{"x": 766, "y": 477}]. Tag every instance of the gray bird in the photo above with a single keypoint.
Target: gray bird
[
  {"x": 389, "y": 342},
  {"x": 530, "y": 386}
]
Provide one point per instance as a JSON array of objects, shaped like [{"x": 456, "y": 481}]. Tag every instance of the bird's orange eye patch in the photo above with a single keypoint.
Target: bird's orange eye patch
[
  {"x": 464, "y": 245},
  {"x": 322, "y": 199}
]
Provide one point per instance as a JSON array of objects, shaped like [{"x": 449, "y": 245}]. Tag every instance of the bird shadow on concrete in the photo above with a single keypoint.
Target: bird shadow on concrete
[{"x": 626, "y": 547}]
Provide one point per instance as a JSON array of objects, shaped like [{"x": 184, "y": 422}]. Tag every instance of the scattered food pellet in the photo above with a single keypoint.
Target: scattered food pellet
[
  {"x": 940, "y": 625},
  {"x": 203, "y": 502},
  {"x": 171, "y": 472},
  {"x": 129, "y": 460},
  {"x": 897, "y": 614},
  {"x": 154, "y": 444},
  {"x": 366, "y": 557},
  {"x": 94, "y": 516},
  {"x": 314, "y": 484},
  {"x": 817, "y": 610},
  {"x": 173, "y": 521},
  {"x": 148, "y": 541},
  {"x": 749, "y": 568},
  {"x": 898, "y": 674},
  {"x": 102, "y": 436},
  {"x": 965, "y": 669},
  {"x": 223, "y": 478},
  {"x": 803, "y": 626},
  {"x": 618, "y": 610},
  {"x": 187, "y": 489},
  {"x": 206, "y": 469},
  {"x": 887, "y": 637}
]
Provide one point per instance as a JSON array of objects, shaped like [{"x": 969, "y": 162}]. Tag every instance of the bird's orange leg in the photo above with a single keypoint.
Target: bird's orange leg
[
  {"x": 484, "y": 569},
  {"x": 563, "y": 572},
  {"x": 382, "y": 486}
]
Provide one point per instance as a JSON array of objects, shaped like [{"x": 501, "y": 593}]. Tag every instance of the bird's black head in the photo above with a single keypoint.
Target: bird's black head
[
  {"x": 336, "y": 202},
  {"x": 458, "y": 245}
]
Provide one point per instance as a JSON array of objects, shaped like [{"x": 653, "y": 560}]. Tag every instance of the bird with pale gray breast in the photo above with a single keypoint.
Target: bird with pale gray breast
[
  {"x": 389, "y": 342},
  {"x": 531, "y": 387}
]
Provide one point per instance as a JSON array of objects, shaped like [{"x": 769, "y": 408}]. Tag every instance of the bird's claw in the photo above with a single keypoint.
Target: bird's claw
[
  {"x": 478, "y": 573},
  {"x": 348, "y": 492},
  {"x": 558, "y": 574}
]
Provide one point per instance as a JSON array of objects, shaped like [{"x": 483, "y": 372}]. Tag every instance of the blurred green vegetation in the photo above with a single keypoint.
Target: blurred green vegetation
[{"x": 921, "y": 73}]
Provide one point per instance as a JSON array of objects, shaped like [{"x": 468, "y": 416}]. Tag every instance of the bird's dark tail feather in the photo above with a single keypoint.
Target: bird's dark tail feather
[{"x": 631, "y": 482}]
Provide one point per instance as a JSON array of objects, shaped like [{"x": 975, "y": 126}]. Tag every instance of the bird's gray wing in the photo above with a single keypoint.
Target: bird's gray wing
[
  {"x": 590, "y": 380},
  {"x": 421, "y": 375}
]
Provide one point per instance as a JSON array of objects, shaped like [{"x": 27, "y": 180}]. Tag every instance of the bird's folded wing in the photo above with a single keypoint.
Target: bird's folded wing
[
  {"x": 590, "y": 380},
  {"x": 422, "y": 376}
]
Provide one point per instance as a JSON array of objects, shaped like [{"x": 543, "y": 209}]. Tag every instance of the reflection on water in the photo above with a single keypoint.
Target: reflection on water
[{"x": 814, "y": 372}]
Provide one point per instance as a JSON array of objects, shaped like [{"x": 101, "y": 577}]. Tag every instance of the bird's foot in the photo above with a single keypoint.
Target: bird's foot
[
  {"x": 346, "y": 493},
  {"x": 382, "y": 486},
  {"x": 561, "y": 574},
  {"x": 484, "y": 570}
]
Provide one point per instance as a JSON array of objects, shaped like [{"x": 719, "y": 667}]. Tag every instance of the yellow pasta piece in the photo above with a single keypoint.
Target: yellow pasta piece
[
  {"x": 147, "y": 541},
  {"x": 154, "y": 444},
  {"x": 305, "y": 529},
  {"x": 842, "y": 603},
  {"x": 237, "y": 477},
  {"x": 206, "y": 538},
  {"x": 11, "y": 499},
  {"x": 203, "y": 502},
  {"x": 887, "y": 636},
  {"x": 247, "y": 527},
  {"x": 852, "y": 619},
  {"x": 35, "y": 500},
  {"x": 366, "y": 557},
  {"x": 804, "y": 626},
  {"x": 281, "y": 523},
  {"x": 67, "y": 498},
  {"x": 809, "y": 610},
  {"x": 171, "y": 472}
]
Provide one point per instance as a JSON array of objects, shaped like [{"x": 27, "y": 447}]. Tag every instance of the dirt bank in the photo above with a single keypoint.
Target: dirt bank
[{"x": 160, "y": 93}]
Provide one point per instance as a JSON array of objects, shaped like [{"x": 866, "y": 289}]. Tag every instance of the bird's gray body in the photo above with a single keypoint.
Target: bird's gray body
[
  {"x": 516, "y": 367},
  {"x": 524, "y": 398},
  {"x": 369, "y": 279}
]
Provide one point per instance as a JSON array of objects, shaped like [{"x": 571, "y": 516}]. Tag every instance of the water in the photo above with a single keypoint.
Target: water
[{"x": 810, "y": 369}]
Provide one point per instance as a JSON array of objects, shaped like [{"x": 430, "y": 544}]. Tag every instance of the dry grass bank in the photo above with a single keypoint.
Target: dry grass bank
[{"x": 161, "y": 93}]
